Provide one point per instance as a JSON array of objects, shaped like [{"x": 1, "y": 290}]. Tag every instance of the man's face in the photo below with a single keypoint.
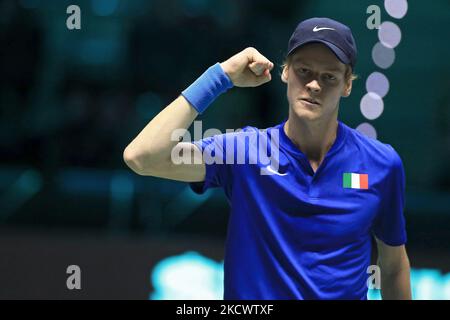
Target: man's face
[{"x": 314, "y": 73}]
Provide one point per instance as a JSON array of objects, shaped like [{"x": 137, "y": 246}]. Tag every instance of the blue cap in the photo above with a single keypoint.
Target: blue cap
[{"x": 335, "y": 35}]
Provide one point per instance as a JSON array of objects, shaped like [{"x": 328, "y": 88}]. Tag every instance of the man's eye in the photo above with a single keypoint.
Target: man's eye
[
  {"x": 330, "y": 77},
  {"x": 303, "y": 70}
]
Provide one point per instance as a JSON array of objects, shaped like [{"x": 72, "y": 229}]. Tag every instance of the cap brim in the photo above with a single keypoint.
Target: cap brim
[{"x": 336, "y": 50}]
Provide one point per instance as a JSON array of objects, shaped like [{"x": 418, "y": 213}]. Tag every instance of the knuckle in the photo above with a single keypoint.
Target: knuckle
[{"x": 251, "y": 50}]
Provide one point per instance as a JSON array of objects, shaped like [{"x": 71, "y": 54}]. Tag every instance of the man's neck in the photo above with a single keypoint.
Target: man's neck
[{"x": 314, "y": 139}]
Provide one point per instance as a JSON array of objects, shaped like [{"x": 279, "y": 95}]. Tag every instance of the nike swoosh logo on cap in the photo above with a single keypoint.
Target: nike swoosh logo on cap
[{"x": 316, "y": 28}]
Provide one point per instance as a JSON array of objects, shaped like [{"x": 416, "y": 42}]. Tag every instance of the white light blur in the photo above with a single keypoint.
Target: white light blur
[
  {"x": 378, "y": 83},
  {"x": 396, "y": 8},
  {"x": 389, "y": 34},
  {"x": 367, "y": 129},
  {"x": 382, "y": 56},
  {"x": 371, "y": 105}
]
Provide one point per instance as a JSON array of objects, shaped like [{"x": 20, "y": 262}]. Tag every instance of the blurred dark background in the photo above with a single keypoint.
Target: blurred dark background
[{"x": 71, "y": 100}]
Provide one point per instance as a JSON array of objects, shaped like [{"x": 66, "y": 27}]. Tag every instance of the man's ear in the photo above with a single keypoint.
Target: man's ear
[
  {"x": 284, "y": 74},
  {"x": 347, "y": 88}
]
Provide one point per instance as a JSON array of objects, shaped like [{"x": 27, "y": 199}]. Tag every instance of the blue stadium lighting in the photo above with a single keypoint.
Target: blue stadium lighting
[
  {"x": 100, "y": 51},
  {"x": 187, "y": 276},
  {"x": 104, "y": 7},
  {"x": 193, "y": 276},
  {"x": 27, "y": 185}
]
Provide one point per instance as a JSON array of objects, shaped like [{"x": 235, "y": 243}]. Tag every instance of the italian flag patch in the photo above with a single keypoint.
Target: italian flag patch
[{"x": 355, "y": 180}]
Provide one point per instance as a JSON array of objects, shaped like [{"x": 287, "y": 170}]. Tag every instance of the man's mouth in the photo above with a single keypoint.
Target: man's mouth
[{"x": 311, "y": 101}]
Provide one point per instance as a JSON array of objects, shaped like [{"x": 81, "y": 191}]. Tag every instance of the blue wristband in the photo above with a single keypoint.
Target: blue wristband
[{"x": 212, "y": 83}]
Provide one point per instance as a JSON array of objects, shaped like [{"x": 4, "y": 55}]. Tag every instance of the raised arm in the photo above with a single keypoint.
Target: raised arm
[{"x": 150, "y": 152}]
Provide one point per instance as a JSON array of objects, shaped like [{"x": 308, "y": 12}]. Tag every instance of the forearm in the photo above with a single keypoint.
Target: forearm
[
  {"x": 155, "y": 142},
  {"x": 397, "y": 285},
  {"x": 150, "y": 151}
]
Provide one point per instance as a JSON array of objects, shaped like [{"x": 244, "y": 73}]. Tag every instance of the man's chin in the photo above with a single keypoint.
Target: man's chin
[{"x": 306, "y": 113}]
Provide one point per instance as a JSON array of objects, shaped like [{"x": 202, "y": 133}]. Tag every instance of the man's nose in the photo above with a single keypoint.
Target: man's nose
[{"x": 313, "y": 86}]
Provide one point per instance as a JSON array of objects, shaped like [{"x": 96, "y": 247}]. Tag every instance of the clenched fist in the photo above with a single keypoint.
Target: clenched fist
[{"x": 248, "y": 68}]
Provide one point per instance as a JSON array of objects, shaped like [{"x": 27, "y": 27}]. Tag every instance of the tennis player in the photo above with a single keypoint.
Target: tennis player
[{"x": 301, "y": 226}]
